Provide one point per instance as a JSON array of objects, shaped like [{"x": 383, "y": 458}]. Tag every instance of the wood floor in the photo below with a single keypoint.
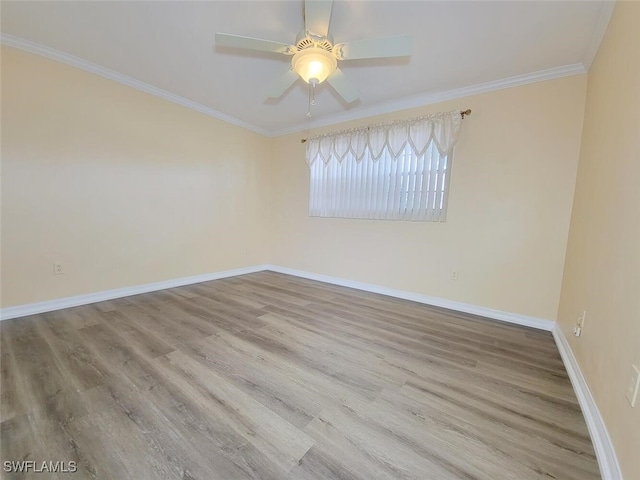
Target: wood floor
[{"x": 267, "y": 376}]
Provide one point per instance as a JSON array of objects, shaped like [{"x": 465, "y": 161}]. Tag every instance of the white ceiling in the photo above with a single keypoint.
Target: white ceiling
[{"x": 459, "y": 48}]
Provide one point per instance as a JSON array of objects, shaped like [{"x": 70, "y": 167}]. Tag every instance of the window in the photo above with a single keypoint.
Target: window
[{"x": 359, "y": 173}]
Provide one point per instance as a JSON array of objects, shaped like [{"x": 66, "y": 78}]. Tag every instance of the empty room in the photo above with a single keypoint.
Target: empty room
[{"x": 318, "y": 240}]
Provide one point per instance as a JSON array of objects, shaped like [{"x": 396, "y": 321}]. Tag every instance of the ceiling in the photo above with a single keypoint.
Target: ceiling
[{"x": 167, "y": 48}]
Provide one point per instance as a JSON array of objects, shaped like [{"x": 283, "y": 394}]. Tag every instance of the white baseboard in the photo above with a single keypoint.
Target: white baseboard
[
  {"x": 58, "y": 304},
  {"x": 609, "y": 467},
  {"x": 607, "y": 460},
  {"x": 539, "y": 323}
]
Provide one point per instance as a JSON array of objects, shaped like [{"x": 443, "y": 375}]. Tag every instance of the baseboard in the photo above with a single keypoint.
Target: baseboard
[
  {"x": 508, "y": 317},
  {"x": 609, "y": 467},
  {"x": 58, "y": 304},
  {"x": 607, "y": 461}
]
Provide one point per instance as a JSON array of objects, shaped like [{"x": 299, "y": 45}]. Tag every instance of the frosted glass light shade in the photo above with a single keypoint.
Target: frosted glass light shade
[{"x": 314, "y": 64}]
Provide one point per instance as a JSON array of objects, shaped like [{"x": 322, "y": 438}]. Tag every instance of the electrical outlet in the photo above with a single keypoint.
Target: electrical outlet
[
  {"x": 582, "y": 318},
  {"x": 453, "y": 275},
  {"x": 634, "y": 386},
  {"x": 58, "y": 269},
  {"x": 577, "y": 330}
]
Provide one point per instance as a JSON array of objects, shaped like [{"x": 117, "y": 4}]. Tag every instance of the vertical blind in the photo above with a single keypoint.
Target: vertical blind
[{"x": 392, "y": 171}]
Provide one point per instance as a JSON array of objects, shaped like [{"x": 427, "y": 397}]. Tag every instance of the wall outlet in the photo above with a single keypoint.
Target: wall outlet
[
  {"x": 634, "y": 386},
  {"x": 581, "y": 319},
  {"x": 453, "y": 275},
  {"x": 577, "y": 330},
  {"x": 58, "y": 269}
]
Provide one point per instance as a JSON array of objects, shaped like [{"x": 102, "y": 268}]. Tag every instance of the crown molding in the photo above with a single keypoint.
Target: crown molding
[
  {"x": 387, "y": 107},
  {"x": 38, "y": 49},
  {"x": 606, "y": 10},
  {"x": 437, "y": 97}
]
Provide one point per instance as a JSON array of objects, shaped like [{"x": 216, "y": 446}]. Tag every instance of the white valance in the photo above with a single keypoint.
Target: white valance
[{"x": 443, "y": 129}]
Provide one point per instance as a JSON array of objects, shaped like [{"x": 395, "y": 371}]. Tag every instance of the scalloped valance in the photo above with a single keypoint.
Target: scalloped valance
[{"x": 443, "y": 129}]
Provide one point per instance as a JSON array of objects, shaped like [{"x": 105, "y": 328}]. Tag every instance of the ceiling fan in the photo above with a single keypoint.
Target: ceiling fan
[{"x": 316, "y": 56}]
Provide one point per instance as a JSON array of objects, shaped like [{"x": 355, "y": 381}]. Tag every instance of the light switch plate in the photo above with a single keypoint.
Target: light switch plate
[{"x": 634, "y": 385}]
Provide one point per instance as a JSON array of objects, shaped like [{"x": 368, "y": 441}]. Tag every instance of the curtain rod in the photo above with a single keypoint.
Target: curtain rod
[{"x": 462, "y": 114}]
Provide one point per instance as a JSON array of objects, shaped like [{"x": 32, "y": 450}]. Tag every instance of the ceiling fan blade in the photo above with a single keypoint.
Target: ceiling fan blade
[
  {"x": 317, "y": 15},
  {"x": 238, "y": 41},
  {"x": 345, "y": 88},
  {"x": 281, "y": 85},
  {"x": 398, "y": 46}
]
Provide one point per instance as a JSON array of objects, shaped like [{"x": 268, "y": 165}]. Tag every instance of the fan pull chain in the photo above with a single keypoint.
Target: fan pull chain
[{"x": 312, "y": 94}]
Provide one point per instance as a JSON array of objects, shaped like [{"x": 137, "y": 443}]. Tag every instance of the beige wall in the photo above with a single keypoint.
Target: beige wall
[
  {"x": 125, "y": 189},
  {"x": 602, "y": 272},
  {"x": 511, "y": 190},
  {"x": 121, "y": 187}
]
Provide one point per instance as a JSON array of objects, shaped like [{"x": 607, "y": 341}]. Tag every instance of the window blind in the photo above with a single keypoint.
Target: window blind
[{"x": 394, "y": 171}]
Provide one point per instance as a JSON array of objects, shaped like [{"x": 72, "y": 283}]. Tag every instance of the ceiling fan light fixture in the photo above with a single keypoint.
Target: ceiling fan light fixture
[{"x": 314, "y": 64}]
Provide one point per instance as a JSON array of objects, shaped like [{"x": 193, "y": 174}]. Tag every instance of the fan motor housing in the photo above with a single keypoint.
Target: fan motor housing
[{"x": 306, "y": 40}]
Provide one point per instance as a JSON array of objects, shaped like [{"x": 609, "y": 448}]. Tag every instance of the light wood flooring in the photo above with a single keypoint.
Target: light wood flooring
[{"x": 267, "y": 376}]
